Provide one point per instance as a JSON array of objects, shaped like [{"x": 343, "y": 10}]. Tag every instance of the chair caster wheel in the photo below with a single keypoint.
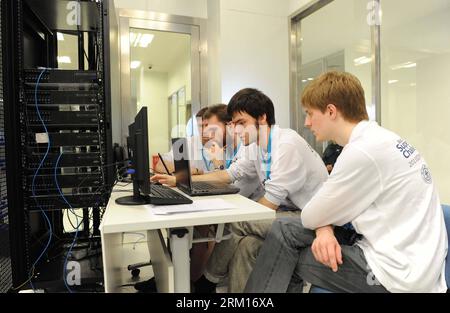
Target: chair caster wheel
[{"x": 135, "y": 272}]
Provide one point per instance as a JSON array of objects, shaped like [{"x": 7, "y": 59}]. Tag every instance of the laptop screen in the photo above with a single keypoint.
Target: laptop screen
[{"x": 181, "y": 162}]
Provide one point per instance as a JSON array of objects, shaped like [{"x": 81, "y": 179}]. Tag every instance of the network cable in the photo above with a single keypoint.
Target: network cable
[
  {"x": 76, "y": 231},
  {"x": 33, "y": 191}
]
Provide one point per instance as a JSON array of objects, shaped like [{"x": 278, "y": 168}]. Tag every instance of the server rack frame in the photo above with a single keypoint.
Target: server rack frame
[{"x": 13, "y": 59}]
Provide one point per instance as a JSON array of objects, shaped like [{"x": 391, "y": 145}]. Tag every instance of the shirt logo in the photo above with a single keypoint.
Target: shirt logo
[
  {"x": 406, "y": 149},
  {"x": 426, "y": 175}
]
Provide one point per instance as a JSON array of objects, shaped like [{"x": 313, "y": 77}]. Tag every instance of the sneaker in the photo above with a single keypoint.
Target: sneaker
[
  {"x": 203, "y": 285},
  {"x": 146, "y": 286}
]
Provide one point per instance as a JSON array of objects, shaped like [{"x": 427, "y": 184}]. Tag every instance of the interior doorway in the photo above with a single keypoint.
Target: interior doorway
[{"x": 163, "y": 67}]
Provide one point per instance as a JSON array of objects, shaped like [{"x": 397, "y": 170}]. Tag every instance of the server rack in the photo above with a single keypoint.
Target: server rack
[
  {"x": 58, "y": 129},
  {"x": 5, "y": 254}
]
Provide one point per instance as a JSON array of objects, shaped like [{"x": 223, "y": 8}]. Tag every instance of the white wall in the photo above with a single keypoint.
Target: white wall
[
  {"x": 294, "y": 5},
  {"x": 153, "y": 94},
  {"x": 254, "y": 51},
  {"x": 192, "y": 8},
  {"x": 180, "y": 76},
  {"x": 214, "y": 63}
]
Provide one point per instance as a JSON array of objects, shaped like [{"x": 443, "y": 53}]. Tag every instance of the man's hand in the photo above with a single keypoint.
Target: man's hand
[
  {"x": 268, "y": 204},
  {"x": 165, "y": 179},
  {"x": 326, "y": 248}
]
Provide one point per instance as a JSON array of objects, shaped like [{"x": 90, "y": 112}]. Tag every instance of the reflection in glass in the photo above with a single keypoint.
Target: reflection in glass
[
  {"x": 160, "y": 65},
  {"x": 327, "y": 41},
  {"x": 415, "y": 68}
]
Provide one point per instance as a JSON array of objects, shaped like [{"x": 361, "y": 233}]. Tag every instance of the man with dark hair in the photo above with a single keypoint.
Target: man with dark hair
[
  {"x": 223, "y": 148},
  {"x": 253, "y": 102},
  {"x": 382, "y": 185},
  {"x": 287, "y": 167}
]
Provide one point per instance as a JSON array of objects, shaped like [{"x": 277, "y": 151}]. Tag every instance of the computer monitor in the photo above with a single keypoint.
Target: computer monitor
[{"x": 140, "y": 161}]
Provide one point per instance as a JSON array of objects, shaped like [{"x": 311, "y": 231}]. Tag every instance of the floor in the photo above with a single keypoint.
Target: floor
[{"x": 135, "y": 251}]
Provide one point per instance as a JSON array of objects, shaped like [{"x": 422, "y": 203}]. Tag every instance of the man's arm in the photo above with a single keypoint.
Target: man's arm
[
  {"x": 170, "y": 180},
  {"x": 288, "y": 175},
  {"x": 237, "y": 170},
  {"x": 352, "y": 187}
]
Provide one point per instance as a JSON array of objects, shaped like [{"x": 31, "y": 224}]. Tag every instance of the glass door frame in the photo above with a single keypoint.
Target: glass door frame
[
  {"x": 295, "y": 58},
  {"x": 195, "y": 27}
]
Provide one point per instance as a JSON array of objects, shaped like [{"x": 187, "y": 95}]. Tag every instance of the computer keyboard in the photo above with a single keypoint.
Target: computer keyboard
[{"x": 164, "y": 195}]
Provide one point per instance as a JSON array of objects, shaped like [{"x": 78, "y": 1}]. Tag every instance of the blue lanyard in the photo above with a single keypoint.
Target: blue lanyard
[
  {"x": 267, "y": 163},
  {"x": 207, "y": 163},
  {"x": 230, "y": 160}
]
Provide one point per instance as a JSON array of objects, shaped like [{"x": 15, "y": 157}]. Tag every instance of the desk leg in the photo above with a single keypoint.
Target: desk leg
[
  {"x": 112, "y": 257},
  {"x": 179, "y": 245},
  {"x": 161, "y": 262}
]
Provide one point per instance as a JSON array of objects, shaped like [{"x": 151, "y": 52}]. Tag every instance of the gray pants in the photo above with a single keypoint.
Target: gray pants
[
  {"x": 286, "y": 260},
  {"x": 236, "y": 256}
]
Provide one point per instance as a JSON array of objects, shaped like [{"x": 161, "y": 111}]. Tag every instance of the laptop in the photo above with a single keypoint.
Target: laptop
[{"x": 183, "y": 174}]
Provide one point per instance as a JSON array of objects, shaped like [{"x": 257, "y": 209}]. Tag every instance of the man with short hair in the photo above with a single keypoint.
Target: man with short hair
[
  {"x": 382, "y": 185},
  {"x": 200, "y": 164}
]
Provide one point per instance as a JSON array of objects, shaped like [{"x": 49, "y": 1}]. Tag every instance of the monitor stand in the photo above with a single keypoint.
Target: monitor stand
[{"x": 135, "y": 199}]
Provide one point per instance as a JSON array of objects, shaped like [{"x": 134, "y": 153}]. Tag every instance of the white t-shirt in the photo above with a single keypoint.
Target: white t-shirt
[
  {"x": 383, "y": 187},
  {"x": 296, "y": 170}
]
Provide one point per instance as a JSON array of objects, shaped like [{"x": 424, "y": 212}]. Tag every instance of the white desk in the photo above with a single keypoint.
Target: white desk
[{"x": 172, "y": 274}]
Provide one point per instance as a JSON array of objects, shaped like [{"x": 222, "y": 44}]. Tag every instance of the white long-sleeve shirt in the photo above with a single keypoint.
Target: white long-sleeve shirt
[
  {"x": 296, "y": 171},
  {"x": 248, "y": 187},
  {"x": 383, "y": 187}
]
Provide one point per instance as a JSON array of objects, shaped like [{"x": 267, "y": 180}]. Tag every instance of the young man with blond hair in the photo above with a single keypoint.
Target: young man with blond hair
[{"x": 382, "y": 186}]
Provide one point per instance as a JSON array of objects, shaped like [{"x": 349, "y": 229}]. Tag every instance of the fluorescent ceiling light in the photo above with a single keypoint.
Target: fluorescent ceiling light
[
  {"x": 64, "y": 59},
  {"x": 310, "y": 79},
  {"x": 362, "y": 60},
  {"x": 304, "y": 81},
  {"x": 146, "y": 39},
  {"x": 141, "y": 40},
  {"x": 135, "y": 64},
  {"x": 393, "y": 81},
  {"x": 60, "y": 36},
  {"x": 403, "y": 65}
]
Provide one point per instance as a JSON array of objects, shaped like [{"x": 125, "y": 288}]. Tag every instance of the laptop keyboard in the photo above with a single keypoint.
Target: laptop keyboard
[{"x": 203, "y": 186}]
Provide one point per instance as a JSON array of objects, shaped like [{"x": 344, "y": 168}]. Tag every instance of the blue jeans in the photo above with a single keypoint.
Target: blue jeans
[{"x": 285, "y": 261}]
